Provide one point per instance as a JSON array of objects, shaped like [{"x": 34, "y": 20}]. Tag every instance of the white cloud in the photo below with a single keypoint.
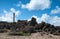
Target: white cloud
[
  {"x": 17, "y": 12},
  {"x": 37, "y": 4},
  {"x": 8, "y": 15},
  {"x": 55, "y": 11},
  {"x": 18, "y": 4},
  {"x": 55, "y": 20},
  {"x": 44, "y": 17}
]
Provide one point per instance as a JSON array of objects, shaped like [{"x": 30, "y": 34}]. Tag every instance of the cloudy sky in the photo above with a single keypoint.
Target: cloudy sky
[{"x": 43, "y": 10}]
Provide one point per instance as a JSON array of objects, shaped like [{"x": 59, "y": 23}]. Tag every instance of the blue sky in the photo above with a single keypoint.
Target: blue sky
[{"x": 43, "y": 10}]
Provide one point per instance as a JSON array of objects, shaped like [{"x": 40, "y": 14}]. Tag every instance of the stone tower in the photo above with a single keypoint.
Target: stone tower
[{"x": 13, "y": 17}]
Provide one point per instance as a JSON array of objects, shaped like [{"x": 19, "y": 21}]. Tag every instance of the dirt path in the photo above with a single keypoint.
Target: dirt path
[{"x": 33, "y": 36}]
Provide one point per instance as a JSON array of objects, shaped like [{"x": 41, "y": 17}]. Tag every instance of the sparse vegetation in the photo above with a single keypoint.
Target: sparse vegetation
[
  {"x": 3, "y": 30},
  {"x": 19, "y": 34}
]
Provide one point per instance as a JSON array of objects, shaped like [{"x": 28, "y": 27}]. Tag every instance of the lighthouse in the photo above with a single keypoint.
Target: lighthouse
[{"x": 13, "y": 17}]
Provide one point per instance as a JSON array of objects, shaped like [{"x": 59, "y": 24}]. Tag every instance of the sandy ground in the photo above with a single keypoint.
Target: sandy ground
[{"x": 33, "y": 36}]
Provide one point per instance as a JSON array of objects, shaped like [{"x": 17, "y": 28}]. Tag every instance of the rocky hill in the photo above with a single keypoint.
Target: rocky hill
[{"x": 29, "y": 27}]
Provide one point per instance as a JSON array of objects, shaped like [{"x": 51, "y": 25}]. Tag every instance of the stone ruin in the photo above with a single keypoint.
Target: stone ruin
[{"x": 29, "y": 27}]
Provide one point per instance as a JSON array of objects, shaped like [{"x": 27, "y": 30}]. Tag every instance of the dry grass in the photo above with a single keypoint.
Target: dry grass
[{"x": 33, "y": 36}]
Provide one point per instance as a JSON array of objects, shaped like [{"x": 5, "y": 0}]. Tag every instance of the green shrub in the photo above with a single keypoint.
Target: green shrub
[
  {"x": 3, "y": 30},
  {"x": 19, "y": 34}
]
